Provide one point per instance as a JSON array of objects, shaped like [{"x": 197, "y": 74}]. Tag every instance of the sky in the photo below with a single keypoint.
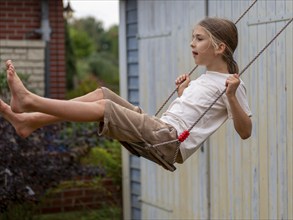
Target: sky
[{"x": 106, "y": 11}]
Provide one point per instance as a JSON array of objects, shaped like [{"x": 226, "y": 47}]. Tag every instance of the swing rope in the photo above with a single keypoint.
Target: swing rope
[
  {"x": 182, "y": 137},
  {"x": 152, "y": 151},
  {"x": 246, "y": 67},
  {"x": 191, "y": 71}
]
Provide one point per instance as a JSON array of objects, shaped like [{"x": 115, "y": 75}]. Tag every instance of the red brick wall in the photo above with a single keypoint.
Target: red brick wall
[
  {"x": 19, "y": 19},
  {"x": 57, "y": 50},
  {"x": 83, "y": 198}
]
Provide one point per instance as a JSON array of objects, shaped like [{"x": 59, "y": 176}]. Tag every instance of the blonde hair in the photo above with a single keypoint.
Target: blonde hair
[{"x": 223, "y": 31}]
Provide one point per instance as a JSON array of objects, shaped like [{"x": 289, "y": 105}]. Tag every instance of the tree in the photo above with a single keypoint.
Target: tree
[
  {"x": 96, "y": 52},
  {"x": 109, "y": 42},
  {"x": 71, "y": 71},
  {"x": 83, "y": 45},
  {"x": 92, "y": 27}
]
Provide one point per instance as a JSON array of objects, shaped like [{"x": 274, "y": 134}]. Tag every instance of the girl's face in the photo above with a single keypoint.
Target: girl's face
[{"x": 203, "y": 50}]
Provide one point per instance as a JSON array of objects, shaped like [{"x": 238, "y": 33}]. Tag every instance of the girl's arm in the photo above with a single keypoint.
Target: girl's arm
[
  {"x": 182, "y": 82},
  {"x": 242, "y": 122}
]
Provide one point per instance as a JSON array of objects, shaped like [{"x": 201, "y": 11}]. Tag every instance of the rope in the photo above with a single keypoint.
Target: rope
[
  {"x": 170, "y": 96},
  {"x": 244, "y": 13},
  {"x": 191, "y": 71},
  {"x": 182, "y": 137},
  {"x": 185, "y": 133},
  {"x": 247, "y": 66}
]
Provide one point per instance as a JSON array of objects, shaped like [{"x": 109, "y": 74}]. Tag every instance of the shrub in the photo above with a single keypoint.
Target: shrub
[
  {"x": 31, "y": 166},
  {"x": 108, "y": 156}
]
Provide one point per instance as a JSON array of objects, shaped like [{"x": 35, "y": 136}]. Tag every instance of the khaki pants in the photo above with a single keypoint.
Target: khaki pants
[{"x": 126, "y": 122}]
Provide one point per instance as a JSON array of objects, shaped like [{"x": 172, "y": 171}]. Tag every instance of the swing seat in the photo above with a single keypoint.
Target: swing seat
[{"x": 161, "y": 157}]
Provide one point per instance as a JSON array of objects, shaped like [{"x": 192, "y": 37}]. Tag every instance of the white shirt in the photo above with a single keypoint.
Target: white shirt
[{"x": 195, "y": 99}]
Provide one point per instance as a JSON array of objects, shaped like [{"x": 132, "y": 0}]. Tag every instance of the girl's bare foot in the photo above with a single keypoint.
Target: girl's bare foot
[
  {"x": 20, "y": 96},
  {"x": 21, "y": 122}
]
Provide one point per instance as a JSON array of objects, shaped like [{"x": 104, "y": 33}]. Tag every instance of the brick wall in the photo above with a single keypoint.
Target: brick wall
[
  {"x": 83, "y": 198},
  {"x": 19, "y": 18},
  {"x": 18, "y": 21},
  {"x": 57, "y": 50}
]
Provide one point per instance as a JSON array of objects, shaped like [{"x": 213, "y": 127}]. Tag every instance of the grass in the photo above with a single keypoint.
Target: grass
[{"x": 109, "y": 213}]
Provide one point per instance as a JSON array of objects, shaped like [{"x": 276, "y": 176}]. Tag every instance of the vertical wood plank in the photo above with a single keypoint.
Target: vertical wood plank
[
  {"x": 257, "y": 72},
  {"x": 245, "y": 149},
  {"x": 123, "y": 93},
  {"x": 289, "y": 86},
  {"x": 262, "y": 122},
  {"x": 249, "y": 179},
  {"x": 169, "y": 56},
  {"x": 224, "y": 11},
  {"x": 272, "y": 96},
  {"x": 244, "y": 58},
  {"x": 216, "y": 176},
  {"x": 281, "y": 113}
]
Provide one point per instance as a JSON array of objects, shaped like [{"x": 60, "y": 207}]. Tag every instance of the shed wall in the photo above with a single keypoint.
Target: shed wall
[
  {"x": 252, "y": 179},
  {"x": 228, "y": 177},
  {"x": 129, "y": 87},
  {"x": 165, "y": 29}
]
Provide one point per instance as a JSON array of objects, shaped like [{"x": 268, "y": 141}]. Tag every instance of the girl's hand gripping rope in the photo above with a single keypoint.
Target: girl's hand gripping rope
[
  {"x": 232, "y": 84},
  {"x": 181, "y": 83}
]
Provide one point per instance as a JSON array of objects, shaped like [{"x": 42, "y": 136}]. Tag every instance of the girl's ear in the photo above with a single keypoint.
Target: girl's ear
[{"x": 221, "y": 47}]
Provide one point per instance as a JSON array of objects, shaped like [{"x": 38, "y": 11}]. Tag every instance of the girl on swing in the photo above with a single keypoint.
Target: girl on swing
[{"x": 213, "y": 43}]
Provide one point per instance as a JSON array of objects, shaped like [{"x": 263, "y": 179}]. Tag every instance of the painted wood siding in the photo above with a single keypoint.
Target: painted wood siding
[
  {"x": 229, "y": 177},
  {"x": 252, "y": 179},
  {"x": 165, "y": 29},
  {"x": 130, "y": 90}
]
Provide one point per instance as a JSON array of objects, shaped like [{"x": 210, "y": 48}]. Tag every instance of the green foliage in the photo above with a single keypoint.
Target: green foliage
[
  {"x": 103, "y": 153},
  {"x": 109, "y": 41},
  {"x": 91, "y": 26},
  {"x": 41, "y": 171},
  {"x": 83, "y": 45},
  {"x": 105, "y": 213},
  {"x": 89, "y": 84},
  {"x": 71, "y": 70},
  {"x": 18, "y": 211},
  {"x": 108, "y": 156},
  {"x": 4, "y": 89},
  {"x": 3, "y": 83},
  {"x": 95, "y": 52},
  {"x": 90, "y": 50},
  {"x": 104, "y": 67}
]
